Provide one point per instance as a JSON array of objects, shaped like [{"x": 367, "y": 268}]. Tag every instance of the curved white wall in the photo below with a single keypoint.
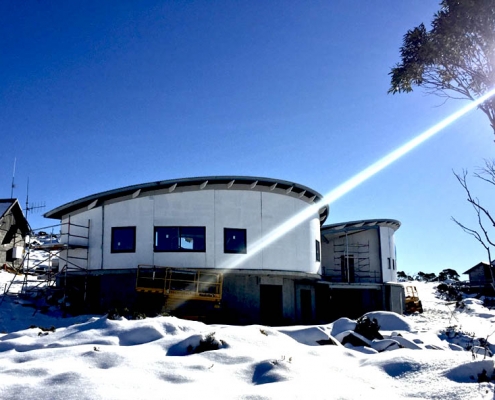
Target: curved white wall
[
  {"x": 256, "y": 211},
  {"x": 388, "y": 252}
]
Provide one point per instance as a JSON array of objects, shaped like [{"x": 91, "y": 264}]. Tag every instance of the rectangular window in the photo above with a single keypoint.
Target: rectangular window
[
  {"x": 234, "y": 241},
  {"x": 389, "y": 263},
  {"x": 318, "y": 257},
  {"x": 393, "y": 264},
  {"x": 123, "y": 239},
  {"x": 180, "y": 238}
]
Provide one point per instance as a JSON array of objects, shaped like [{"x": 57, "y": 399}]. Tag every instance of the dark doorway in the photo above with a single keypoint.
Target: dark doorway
[
  {"x": 347, "y": 269},
  {"x": 323, "y": 303},
  {"x": 306, "y": 310},
  {"x": 271, "y": 309}
]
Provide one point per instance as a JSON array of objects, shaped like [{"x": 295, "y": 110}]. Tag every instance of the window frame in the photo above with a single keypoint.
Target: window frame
[
  {"x": 318, "y": 250},
  {"x": 115, "y": 250},
  {"x": 227, "y": 231},
  {"x": 180, "y": 235}
]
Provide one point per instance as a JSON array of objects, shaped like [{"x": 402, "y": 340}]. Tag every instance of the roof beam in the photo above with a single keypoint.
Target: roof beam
[{"x": 93, "y": 204}]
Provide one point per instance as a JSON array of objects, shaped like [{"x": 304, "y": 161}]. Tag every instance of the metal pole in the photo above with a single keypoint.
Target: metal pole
[
  {"x": 27, "y": 198},
  {"x": 13, "y": 184},
  {"x": 347, "y": 256}
]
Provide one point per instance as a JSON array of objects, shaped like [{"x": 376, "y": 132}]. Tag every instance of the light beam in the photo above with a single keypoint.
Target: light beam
[{"x": 351, "y": 183}]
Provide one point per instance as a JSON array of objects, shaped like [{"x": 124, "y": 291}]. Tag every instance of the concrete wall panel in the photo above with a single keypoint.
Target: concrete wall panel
[{"x": 256, "y": 211}]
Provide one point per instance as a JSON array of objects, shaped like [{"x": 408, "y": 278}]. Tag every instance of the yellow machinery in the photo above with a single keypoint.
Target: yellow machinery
[
  {"x": 412, "y": 301},
  {"x": 402, "y": 297},
  {"x": 180, "y": 285}
]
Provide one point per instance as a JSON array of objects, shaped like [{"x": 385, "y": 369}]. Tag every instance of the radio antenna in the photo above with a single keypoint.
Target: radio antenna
[
  {"x": 13, "y": 184},
  {"x": 27, "y": 197},
  {"x": 32, "y": 206}
]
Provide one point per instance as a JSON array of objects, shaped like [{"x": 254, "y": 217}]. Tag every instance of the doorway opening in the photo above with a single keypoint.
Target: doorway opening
[{"x": 271, "y": 306}]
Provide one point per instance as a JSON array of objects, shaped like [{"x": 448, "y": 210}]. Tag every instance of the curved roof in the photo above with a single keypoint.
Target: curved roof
[
  {"x": 246, "y": 182},
  {"x": 359, "y": 225}
]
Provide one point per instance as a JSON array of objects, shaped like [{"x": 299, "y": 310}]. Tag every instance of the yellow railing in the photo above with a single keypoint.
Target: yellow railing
[{"x": 186, "y": 284}]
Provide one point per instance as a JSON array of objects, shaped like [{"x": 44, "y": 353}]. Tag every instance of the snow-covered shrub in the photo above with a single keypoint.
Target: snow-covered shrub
[
  {"x": 368, "y": 328},
  {"x": 50, "y": 329},
  {"x": 118, "y": 313},
  {"x": 449, "y": 292},
  {"x": 207, "y": 343},
  {"x": 467, "y": 340}
]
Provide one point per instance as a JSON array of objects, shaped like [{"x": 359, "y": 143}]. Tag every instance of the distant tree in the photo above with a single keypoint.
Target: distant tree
[
  {"x": 431, "y": 277},
  {"x": 448, "y": 274},
  {"x": 402, "y": 275},
  {"x": 424, "y": 277},
  {"x": 455, "y": 59}
]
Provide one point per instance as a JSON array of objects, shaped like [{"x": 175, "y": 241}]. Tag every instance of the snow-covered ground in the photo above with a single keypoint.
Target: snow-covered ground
[{"x": 93, "y": 357}]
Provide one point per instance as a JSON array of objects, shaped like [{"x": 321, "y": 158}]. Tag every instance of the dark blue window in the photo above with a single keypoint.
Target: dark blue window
[
  {"x": 124, "y": 239},
  {"x": 318, "y": 256},
  {"x": 180, "y": 238},
  {"x": 234, "y": 240}
]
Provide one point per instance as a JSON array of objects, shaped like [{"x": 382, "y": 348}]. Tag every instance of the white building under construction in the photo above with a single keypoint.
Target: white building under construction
[{"x": 202, "y": 248}]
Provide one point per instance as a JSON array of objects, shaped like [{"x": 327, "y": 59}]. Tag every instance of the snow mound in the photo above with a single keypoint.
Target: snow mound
[
  {"x": 271, "y": 371},
  {"x": 470, "y": 371},
  {"x": 390, "y": 321},
  {"x": 198, "y": 343},
  {"x": 341, "y": 325},
  {"x": 309, "y": 335}
]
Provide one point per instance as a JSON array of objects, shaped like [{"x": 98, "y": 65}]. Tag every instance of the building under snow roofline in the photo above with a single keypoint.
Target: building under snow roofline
[{"x": 186, "y": 243}]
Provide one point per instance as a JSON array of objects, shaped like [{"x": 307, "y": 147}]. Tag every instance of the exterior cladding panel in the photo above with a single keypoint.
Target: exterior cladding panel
[
  {"x": 388, "y": 252},
  {"x": 477, "y": 275},
  {"x": 256, "y": 211},
  {"x": 240, "y": 210},
  {"x": 75, "y": 234}
]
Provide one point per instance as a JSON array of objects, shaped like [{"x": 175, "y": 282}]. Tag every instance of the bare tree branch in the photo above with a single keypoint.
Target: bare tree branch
[{"x": 481, "y": 235}]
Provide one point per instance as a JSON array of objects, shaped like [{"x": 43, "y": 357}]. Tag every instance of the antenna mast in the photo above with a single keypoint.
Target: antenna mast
[
  {"x": 27, "y": 198},
  {"x": 13, "y": 184},
  {"x": 33, "y": 206}
]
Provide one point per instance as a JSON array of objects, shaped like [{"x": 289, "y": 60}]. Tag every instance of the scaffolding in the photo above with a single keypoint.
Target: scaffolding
[
  {"x": 352, "y": 263},
  {"x": 184, "y": 283},
  {"x": 179, "y": 285},
  {"x": 66, "y": 251}
]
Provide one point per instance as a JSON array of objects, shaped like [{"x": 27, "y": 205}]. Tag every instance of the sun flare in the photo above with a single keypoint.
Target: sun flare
[{"x": 352, "y": 183}]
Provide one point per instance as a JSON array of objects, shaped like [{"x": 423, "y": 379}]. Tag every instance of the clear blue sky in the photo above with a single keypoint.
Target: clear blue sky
[{"x": 97, "y": 95}]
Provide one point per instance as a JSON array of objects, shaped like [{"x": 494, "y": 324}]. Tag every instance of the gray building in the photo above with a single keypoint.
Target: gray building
[
  {"x": 13, "y": 230},
  {"x": 481, "y": 275}
]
